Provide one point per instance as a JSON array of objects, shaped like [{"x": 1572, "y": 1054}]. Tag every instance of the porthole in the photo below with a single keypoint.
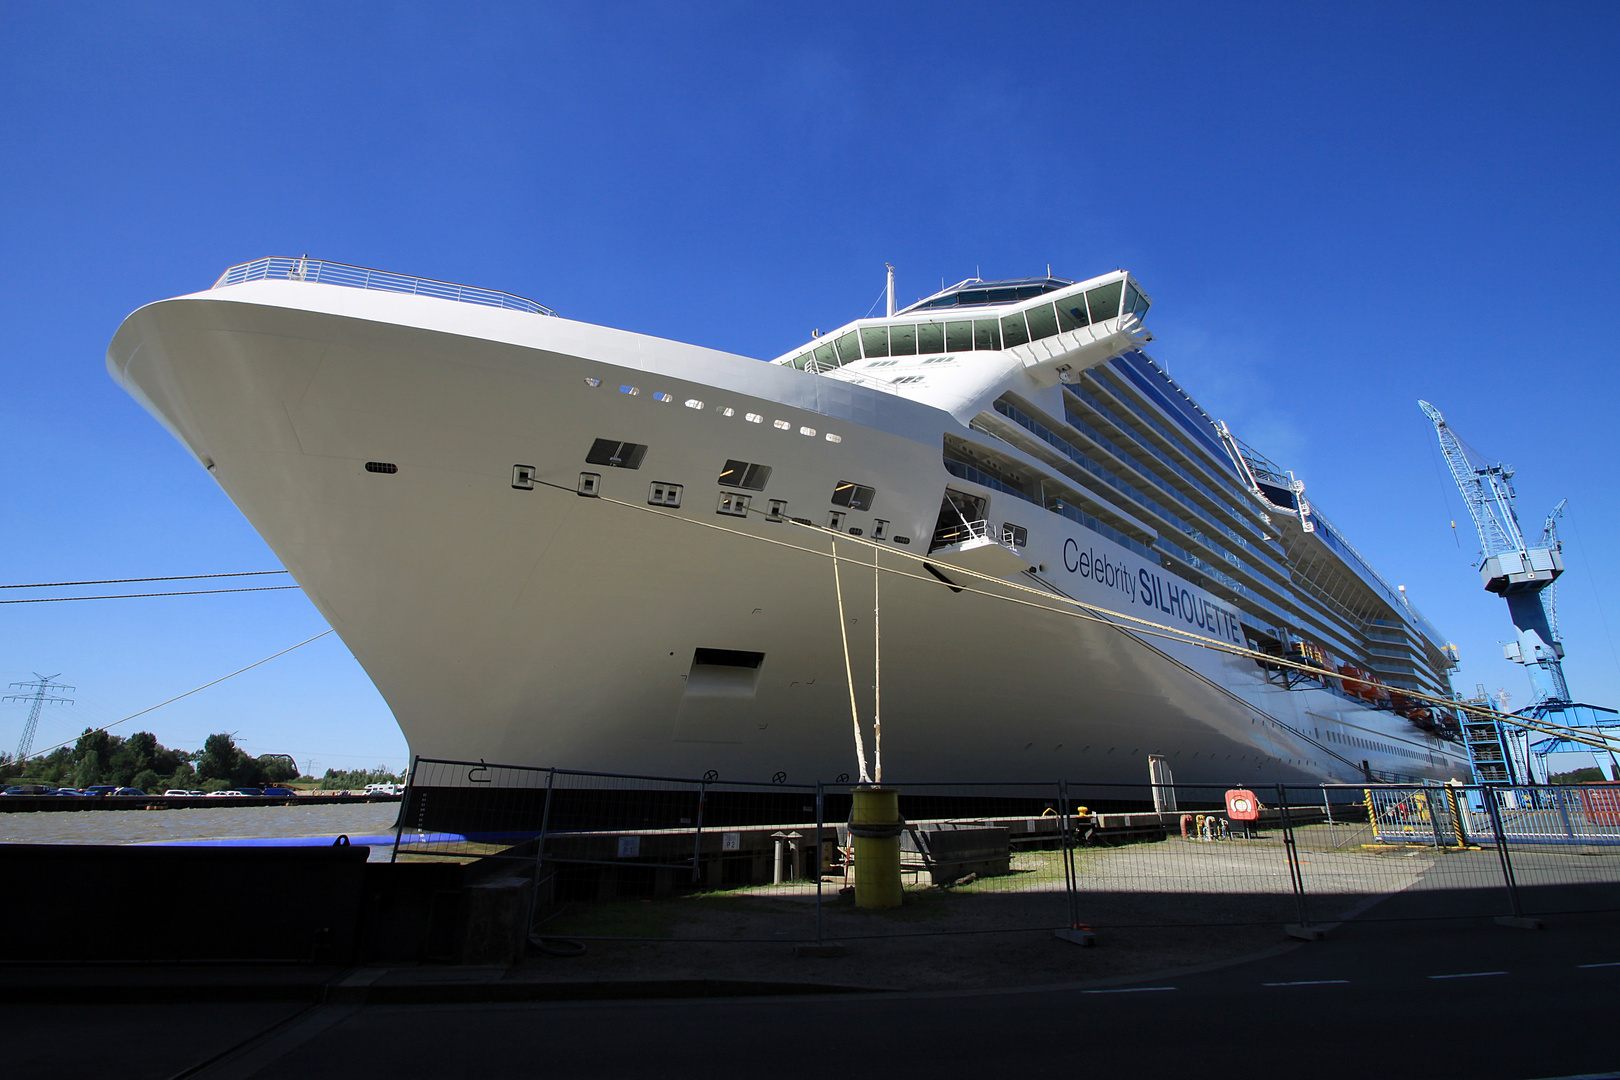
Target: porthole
[
  {"x": 631, "y": 390},
  {"x": 593, "y": 382},
  {"x": 781, "y": 425},
  {"x": 810, "y": 431},
  {"x": 693, "y": 403},
  {"x": 834, "y": 438},
  {"x": 728, "y": 412},
  {"x": 665, "y": 398},
  {"x": 754, "y": 418}
]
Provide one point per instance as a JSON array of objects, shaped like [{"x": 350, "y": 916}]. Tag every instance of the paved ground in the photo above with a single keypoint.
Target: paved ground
[
  {"x": 1374, "y": 999},
  {"x": 1400, "y": 993}
]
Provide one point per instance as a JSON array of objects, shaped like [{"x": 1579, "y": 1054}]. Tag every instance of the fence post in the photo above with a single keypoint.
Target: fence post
[
  {"x": 1453, "y": 803},
  {"x": 540, "y": 848},
  {"x": 1301, "y": 929},
  {"x": 1563, "y": 812},
  {"x": 1494, "y": 813},
  {"x": 697, "y": 832},
  {"x": 1075, "y": 932},
  {"x": 820, "y": 858},
  {"x": 404, "y": 803}
]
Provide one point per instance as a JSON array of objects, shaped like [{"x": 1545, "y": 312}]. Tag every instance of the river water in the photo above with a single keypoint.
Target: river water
[{"x": 360, "y": 822}]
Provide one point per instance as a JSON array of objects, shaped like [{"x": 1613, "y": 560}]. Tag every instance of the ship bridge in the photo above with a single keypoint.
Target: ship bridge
[{"x": 1048, "y": 322}]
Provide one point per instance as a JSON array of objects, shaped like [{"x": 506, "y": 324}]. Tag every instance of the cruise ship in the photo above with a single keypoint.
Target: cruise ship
[{"x": 558, "y": 544}]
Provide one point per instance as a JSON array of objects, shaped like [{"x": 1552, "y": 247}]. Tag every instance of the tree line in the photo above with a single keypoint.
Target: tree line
[{"x": 140, "y": 761}]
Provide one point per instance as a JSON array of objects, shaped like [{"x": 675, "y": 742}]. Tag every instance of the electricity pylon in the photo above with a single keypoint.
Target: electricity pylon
[{"x": 39, "y": 698}]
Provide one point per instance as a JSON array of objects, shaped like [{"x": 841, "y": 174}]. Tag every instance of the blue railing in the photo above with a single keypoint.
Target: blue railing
[{"x": 360, "y": 277}]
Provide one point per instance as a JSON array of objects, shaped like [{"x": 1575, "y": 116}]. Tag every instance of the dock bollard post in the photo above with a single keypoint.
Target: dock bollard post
[{"x": 874, "y": 828}]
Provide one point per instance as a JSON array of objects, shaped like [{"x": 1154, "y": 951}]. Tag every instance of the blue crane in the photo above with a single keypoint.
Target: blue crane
[{"x": 1525, "y": 574}]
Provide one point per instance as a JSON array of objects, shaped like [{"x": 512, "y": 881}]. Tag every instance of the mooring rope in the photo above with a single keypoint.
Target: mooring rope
[
  {"x": 877, "y": 677},
  {"x": 849, "y": 674}
]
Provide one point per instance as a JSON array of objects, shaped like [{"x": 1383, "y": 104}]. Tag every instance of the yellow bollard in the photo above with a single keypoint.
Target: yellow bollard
[{"x": 874, "y": 828}]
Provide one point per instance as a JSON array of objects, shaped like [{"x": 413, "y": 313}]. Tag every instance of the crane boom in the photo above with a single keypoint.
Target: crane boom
[
  {"x": 1486, "y": 488},
  {"x": 1524, "y": 575}
]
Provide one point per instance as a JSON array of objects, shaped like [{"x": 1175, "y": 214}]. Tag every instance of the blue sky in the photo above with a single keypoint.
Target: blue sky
[{"x": 1336, "y": 212}]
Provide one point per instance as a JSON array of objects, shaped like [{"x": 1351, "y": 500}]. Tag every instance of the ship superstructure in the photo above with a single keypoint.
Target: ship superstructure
[
  {"x": 560, "y": 544},
  {"x": 1121, "y": 448}
]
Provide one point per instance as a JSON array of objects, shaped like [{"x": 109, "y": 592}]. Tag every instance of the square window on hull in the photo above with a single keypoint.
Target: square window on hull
[
  {"x": 855, "y": 496},
  {"x": 616, "y": 454},
  {"x": 745, "y": 474}
]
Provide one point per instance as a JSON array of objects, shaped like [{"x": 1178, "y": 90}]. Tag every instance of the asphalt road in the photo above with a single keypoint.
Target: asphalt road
[{"x": 1374, "y": 999}]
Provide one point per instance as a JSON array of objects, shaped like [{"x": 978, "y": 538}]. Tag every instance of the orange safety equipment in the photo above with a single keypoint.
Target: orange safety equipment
[{"x": 1241, "y": 805}]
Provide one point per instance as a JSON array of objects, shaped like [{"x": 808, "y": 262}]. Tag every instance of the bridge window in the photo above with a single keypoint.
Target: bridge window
[
  {"x": 1013, "y": 330},
  {"x": 930, "y": 338},
  {"x": 1071, "y": 312},
  {"x": 903, "y": 340},
  {"x": 875, "y": 340},
  {"x": 1104, "y": 301},
  {"x": 849, "y": 348},
  {"x": 959, "y": 336},
  {"x": 1135, "y": 302},
  {"x": 987, "y": 334},
  {"x": 1042, "y": 322}
]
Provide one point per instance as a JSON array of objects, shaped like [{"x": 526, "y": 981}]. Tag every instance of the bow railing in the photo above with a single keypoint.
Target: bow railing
[{"x": 360, "y": 277}]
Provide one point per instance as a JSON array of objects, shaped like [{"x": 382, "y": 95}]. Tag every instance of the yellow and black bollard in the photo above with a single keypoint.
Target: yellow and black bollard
[{"x": 874, "y": 829}]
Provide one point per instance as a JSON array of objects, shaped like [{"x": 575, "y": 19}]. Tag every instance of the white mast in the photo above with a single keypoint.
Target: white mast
[{"x": 891, "y": 290}]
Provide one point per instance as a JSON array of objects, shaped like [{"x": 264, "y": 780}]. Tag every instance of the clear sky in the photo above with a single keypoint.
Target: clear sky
[{"x": 1336, "y": 212}]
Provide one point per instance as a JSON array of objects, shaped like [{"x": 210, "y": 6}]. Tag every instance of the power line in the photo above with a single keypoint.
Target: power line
[
  {"x": 187, "y": 694},
  {"x": 136, "y": 595},
  {"x": 129, "y": 580}
]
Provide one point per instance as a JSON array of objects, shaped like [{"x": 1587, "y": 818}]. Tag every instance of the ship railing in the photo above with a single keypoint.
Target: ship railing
[
  {"x": 846, "y": 374},
  {"x": 360, "y": 277}
]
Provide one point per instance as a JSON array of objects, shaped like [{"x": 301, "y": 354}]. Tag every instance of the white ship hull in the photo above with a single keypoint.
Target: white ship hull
[{"x": 539, "y": 627}]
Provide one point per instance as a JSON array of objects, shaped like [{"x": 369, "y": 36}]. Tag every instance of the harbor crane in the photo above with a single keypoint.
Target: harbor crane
[{"x": 1525, "y": 574}]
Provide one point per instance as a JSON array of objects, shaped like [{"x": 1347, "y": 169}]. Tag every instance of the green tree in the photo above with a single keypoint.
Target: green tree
[
  {"x": 148, "y": 781},
  {"x": 90, "y": 757},
  {"x": 1578, "y": 776},
  {"x": 219, "y": 758},
  {"x": 356, "y": 779},
  {"x": 184, "y": 777}
]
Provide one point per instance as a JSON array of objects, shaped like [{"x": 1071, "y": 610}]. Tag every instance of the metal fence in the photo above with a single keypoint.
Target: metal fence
[
  {"x": 361, "y": 277},
  {"x": 639, "y": 858}
]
